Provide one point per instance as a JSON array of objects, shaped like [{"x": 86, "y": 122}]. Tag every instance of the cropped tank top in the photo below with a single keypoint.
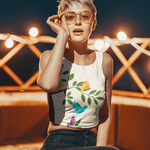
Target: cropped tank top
[{"x": 80, "y": 94}]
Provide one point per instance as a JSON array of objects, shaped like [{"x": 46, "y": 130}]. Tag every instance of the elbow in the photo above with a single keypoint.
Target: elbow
[{"x": 50, "y": 88}]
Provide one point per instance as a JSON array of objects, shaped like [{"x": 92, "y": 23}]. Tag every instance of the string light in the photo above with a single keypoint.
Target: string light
[
  {"x": 9, "y": 43},
  {"x": 99, "y": 44},
  {"x": 33, "y": 32},
  {"x": 107, "y": 44},
  {"x": 121, "y": 36}
]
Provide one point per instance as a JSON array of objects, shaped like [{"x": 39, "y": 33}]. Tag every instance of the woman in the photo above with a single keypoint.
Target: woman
[{"x": 77, "y": 80}]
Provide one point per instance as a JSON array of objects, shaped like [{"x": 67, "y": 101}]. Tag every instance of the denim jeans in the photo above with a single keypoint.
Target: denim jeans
[{"x": 69, "y": 138}]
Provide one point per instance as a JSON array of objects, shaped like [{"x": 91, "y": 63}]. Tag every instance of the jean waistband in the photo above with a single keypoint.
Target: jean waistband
[
  {"x": 73, "y": 132},
  {"x": 90, "y": 133}
]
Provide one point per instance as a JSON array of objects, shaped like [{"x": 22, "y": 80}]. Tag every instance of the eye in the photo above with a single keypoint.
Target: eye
[
  {"x": 86, "y": 15},
  {"x": 70, "y": 16}
]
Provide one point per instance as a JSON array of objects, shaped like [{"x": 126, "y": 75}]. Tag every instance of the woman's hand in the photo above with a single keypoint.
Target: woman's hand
[{"x": 58, "y": 23}]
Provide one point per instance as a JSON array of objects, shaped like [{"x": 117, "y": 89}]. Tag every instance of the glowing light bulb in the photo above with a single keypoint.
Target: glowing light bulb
[
  {"x": 9, "y": 43},
  {"x": 33, "y": 32},
  {"x": 107, "y": 44},
  {"x": 99, "y": 44},
  {"x": 121, "y": 36}
]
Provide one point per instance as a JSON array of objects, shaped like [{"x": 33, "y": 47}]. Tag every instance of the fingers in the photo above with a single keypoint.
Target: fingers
[
  {"x": 58, "y": 23},
  {"x": 64, "y": 24},
  {"x": 60, "y": 15},
  {"x": 63, "y": 20},
  {"x": 52, "y": 19},
  {"x": 55, "y": 18}
]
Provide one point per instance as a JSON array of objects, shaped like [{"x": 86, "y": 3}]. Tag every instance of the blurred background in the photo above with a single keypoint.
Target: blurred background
[
  {"x": 129, "y": 16},
  {"x": 132, "y": 17}
]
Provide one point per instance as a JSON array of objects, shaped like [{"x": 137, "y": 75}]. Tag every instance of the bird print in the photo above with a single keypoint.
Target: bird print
[
  {"x": 72, "y": 121},
  {"x": 84, "y": 86},
  {"x": 78, "y": 108}
]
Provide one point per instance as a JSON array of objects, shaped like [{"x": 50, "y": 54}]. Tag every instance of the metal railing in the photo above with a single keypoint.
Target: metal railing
[{"x": 111, "y": 43}]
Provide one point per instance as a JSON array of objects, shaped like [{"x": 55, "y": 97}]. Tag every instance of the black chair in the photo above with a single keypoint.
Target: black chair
[{"x": 91, "y": 148}]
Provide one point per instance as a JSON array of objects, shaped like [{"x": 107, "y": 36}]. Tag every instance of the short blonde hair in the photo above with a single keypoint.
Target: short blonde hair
[{"x": 64, "y": 4}]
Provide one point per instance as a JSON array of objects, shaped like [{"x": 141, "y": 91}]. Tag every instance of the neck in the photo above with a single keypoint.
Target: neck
[
  {"x": 78, "y": 48},
  {"x": 78, "y": 52}
]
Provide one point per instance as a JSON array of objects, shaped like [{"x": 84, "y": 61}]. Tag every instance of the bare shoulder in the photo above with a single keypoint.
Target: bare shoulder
[
  {"x": 107, "y": 59},
  {"x": 45, "y": 54},
  {"x": 107, "y": 65},
  {"x": 44, "y": 58}
]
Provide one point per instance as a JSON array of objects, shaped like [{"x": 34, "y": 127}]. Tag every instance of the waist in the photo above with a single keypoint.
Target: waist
[
  {"x": 54, "y": 127},
  {"x": 73, "y": 133}
]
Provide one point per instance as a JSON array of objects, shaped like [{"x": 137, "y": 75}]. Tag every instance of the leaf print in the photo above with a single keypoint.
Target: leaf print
[
  {"x": 89, "y": 101},
  {"x": 95, "y": 101},
  {"x": 92, "y": 92},
  {"x": 62, "y": 65},
  {"x": 100, "y": 98},
  {"x": 78, "y": 88},
  {"x": 80, "y": 83},
  {"x": 60, "y": 86},
  {"x": 65, "y": 72},
  {"x": 64, "y": 102},
  {"x": 70, "y": 97},
  {"x": 77, "y": 123},
  {"x": 74, "y": 83},
  {"x": 63, "y": 80},
  {"x": 98, "y": 93},
  {"x": 69, "y": 101},
  {"x": 83, "y": 98},
  {"x": 86, "y": 89},
  {"x": 69, "y": 94},
  {"x": 71, "y": 77}
]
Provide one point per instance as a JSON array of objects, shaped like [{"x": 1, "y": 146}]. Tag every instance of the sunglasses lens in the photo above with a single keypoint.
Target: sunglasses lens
[
  {"x": 70, "y": 17},
  {"x": 86, "y": 17}
]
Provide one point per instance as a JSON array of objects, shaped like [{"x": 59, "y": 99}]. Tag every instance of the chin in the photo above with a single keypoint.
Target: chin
[{"x": 78, "y": 41}]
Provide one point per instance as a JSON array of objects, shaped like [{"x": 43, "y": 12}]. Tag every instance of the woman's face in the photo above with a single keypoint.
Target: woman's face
[{"x": 79, "y": 29}]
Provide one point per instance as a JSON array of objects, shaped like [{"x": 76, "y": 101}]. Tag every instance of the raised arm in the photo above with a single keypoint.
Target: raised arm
[
  {"x": 105, "y": 111},
  {"x": 51, "y": 61}
]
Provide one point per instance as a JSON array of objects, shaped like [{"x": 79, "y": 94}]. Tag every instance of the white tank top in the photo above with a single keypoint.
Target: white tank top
[{"x": 80, "y": 95}]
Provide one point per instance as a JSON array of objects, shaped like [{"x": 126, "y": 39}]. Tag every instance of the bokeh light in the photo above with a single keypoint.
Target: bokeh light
[
  {"x": 107, "y": 44},
  {"x": 121, "y": 36},
  {"x": 9, "y": 43},
  {"x": 99, "y": 44},
  {"x": 33, "y": 32}
]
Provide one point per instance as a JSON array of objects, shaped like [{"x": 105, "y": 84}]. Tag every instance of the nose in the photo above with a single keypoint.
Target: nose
[{"x": 78, "y": 20}]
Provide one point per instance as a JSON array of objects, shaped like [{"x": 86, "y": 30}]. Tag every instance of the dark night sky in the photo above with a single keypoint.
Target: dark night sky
[{"x": 130, "y": 16}]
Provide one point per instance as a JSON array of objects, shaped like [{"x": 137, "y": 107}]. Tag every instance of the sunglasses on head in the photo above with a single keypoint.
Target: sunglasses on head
[{"x": 85, "y": 17}]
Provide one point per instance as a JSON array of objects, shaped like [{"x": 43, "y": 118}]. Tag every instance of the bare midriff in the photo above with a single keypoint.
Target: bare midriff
[{"x": 52, "y": 127}]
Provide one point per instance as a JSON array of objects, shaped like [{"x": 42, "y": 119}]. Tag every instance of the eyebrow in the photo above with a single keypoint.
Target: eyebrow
[{"x": 78, "y": 12}]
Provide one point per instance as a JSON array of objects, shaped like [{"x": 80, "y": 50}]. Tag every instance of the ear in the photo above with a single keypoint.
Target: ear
[{"x": 94, "y": 25}]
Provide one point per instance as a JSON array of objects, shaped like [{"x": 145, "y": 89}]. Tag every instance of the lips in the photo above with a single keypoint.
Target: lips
[{"x": 78, "y": 30}]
